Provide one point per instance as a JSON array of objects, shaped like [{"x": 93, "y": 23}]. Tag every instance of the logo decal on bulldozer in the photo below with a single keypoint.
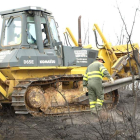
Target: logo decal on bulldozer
[{"x": 47, "y": 61}]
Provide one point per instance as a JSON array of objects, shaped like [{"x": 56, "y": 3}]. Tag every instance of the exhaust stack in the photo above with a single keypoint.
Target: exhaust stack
[{"x": 79, "y": 32}]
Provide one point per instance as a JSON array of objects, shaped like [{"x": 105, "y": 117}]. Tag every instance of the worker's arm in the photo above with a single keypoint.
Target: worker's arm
[
  {"x": 85, "y": 79},
  {"x": 104, "y": 71},
  {"x": 85, "y": 82}
]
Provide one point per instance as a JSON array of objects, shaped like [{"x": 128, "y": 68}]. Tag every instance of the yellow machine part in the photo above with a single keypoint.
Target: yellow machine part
[
  {"x": 113, "y": 54},
  {"x": 3, "y": 85},
  {"x": 123, "y": 48},
  {"x": 71, "y": 36},
  {"x": 108, "y": 61},
  {"x": 106, "y": 44},
  {"x": 89, "y": 46},
  {"x": 3, "y": 91}
]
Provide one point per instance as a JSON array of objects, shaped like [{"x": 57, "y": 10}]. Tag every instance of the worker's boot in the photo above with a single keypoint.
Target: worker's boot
[
  {"x": 93, "y": 111},
  {"x": 98, "y": 108}
]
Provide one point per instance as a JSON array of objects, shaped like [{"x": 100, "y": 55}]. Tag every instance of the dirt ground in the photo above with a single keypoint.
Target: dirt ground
[{"x": 116, "y": 124}]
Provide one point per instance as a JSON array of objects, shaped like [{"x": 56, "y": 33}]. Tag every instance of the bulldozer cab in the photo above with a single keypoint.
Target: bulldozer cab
[
  {"x": 22, "y": 26},
  {"x": 31, "y": 28},
  {"x": 30, "y": 37}
]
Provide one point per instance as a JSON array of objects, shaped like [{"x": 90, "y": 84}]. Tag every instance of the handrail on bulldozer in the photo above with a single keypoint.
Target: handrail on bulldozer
[
  {"x": 71, "y": 36},
  {"x": 107, "y": 45}
]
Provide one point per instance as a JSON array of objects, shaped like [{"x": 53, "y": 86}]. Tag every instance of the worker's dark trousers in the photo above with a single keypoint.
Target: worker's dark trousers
[{"x": 95, "y": 93}]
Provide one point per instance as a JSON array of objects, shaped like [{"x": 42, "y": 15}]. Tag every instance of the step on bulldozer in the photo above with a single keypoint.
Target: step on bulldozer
[{"x": 39, "y": 75}]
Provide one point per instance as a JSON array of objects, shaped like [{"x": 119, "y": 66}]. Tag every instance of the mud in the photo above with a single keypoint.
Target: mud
[{"x": 107, "y": 125}]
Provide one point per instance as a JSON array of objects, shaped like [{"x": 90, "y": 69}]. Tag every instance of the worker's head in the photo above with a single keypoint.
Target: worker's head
[{"x": 100, "y": 59}]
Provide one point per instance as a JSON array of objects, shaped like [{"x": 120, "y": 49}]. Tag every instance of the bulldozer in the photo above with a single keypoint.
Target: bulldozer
[{"x": 39, "y": 75}]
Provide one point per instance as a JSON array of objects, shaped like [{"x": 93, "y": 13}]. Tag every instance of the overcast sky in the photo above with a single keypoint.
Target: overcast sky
[{"x": 102, "y": 12}]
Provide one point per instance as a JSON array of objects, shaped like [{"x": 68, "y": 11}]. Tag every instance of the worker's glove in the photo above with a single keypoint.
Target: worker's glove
[
  {"x": 111, "y": 80},
  {"x": 85, "y": 89}
]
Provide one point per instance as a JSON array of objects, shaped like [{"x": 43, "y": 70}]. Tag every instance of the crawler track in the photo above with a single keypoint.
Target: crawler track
[{"x": 19, "y": 101}]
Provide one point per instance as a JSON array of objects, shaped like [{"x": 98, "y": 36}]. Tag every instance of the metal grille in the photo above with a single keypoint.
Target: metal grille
[{"x": 92, "y": 54}]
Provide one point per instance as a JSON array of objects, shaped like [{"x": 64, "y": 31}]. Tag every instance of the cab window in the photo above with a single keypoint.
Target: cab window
[
  {"x": 53, "y": 29},
  {"x": 31, "y": 33},
  {"x": 12, "y": 31}
]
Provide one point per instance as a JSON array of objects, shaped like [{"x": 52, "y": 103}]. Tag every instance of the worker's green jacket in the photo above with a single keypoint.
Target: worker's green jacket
[{"x": 95, "y": 71}]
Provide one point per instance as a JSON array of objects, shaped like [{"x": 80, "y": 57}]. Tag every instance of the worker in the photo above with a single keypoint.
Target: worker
[{"x": 93, "y": 80}]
